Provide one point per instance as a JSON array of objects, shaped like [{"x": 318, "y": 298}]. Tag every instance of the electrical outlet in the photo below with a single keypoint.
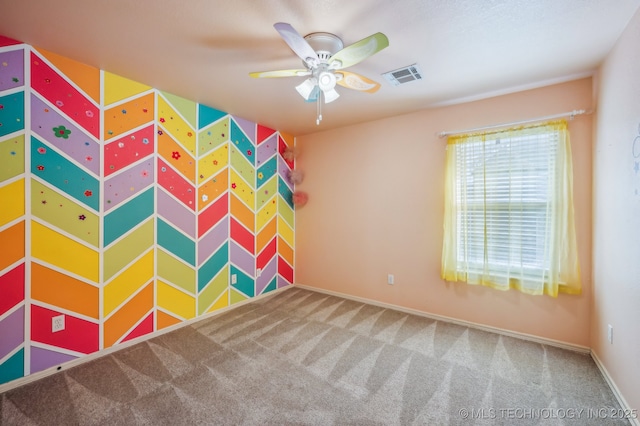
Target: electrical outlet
[
  {"x": 390, "y": 279},
  {"x": 57, "y": 323},
  {"x": 610, "y": 334},
  {"x": 259, "y": 272},
  {"x": 234, "y": 278}
]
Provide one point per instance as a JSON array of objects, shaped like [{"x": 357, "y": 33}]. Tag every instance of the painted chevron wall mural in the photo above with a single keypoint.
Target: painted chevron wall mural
[{"x": 125, "y": 210}]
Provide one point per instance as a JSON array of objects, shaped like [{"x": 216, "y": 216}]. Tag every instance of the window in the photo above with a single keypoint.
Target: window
[{"x": 509, "y": 210}]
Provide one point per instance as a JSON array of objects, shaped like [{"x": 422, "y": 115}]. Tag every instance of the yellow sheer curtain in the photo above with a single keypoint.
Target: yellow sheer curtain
[{"x": 509, "y": 218}]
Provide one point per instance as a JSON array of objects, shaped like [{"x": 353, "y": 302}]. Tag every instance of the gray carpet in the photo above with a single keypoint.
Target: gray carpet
[{"x": 301, "y": 357}]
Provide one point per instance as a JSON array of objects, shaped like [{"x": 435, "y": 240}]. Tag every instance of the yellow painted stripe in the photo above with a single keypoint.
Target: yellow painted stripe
[
  {"x": 214, "y": 289},
  {"x": 222, "y": 302},
  {"x": 179, "y": 128},
  {"x": 243, "y": 191},
  {"x": 237, "y": 297},
  {"x": 128, "y": 282},
  {"x": 286, "y": 232},
  {"x": 175, "y": 272},
  {"x": 63, "y": 252},
  {"x": 266, "y": 213},
  {"x": 12, "y": 199},
  {"x": 176, "y": 301},
  {"x": 124, "y": 251},
  {"x": 117, "y": 88},
  {"x": 285, "y": 212},
  {"x": 212, "y": 163}
]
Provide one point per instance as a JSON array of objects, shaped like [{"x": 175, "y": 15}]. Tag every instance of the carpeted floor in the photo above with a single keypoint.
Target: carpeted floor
[{"x": 301, "y": 357}]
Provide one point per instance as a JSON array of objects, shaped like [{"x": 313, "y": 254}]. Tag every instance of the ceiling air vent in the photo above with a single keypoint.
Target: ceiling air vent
[{"x": 403, "y": 75}]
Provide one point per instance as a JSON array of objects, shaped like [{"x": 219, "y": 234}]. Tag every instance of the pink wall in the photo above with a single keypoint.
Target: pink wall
[
  {"x": 616, "y": 235},
  {"x": 376, "y": 208}
]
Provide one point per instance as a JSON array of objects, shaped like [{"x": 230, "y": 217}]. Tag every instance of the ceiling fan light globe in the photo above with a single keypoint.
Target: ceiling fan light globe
[
  {"x": 306, "y": 88},
  {"x": 326, "y": 81}
]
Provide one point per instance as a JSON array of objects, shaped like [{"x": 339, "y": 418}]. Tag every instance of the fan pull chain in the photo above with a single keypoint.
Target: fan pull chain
[{"x": 319, "y": 108}]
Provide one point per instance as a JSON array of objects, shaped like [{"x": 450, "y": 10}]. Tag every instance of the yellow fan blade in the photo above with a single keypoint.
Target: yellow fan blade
[
  {"x": 357, "y": 82},
  {"x": 280, "y": 73}
]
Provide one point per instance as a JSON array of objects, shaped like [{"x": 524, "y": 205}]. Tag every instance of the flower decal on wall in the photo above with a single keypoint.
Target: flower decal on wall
[
  {"x": 249, "y": 152},
  {"x": 260, "y": 175},
  {"x": 233, "y": 185},
  {"x": 40, "y": 167},
  {"x": 82, "y": 217},
  {"x": 42, "y": 150},
  {"x": 175, "y": 155},
  {"x": 61, "y": 132},
  {"x": 88, "y": 193}
]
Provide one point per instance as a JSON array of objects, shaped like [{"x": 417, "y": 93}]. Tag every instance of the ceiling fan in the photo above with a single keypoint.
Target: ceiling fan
[{"x": 325, "y": 58}]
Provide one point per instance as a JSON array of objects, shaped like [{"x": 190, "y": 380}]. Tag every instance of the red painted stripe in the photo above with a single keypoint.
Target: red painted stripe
[
  {"x": 176, "y": 185},
  {"x": 263, "y": 133},
  {"x": 127, "y": 150},
  {"x": 6, "y": 41},
  {"x": 242, "y": 236},
  {"x": 213, "y": 214},
  {"x": 11, "y": 288},
  {"x": 57, "y": 90},
  {"x": 285, "y": 270},
  {"x": 78, "y": 335},
  {"x": 145, "y": 327},
  {"x": 267, "y": 254}
]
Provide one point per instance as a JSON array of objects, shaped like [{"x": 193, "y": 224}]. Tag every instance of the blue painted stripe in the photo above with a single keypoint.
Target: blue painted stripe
[
  {"x": 176, "y": 243},
  {"x": 11, "y": 113},
  {"x": 272, "y": 286},
  {"x": 211, "y": 267},
  {"x": 286, "y": 193},
  {"x": 244, "y": 283},
  {"x": 12, "y": 368},
  {"x": 127, "y": 216},
  {"x": 64, "y": 175},
  {"x": 243, "y": 143},
  {"x": 267, "y": 170},
  {"x": 208, "y": 115}
]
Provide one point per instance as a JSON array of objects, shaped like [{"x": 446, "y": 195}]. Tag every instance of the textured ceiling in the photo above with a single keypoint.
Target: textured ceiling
[{"x": 203, "y": 50}]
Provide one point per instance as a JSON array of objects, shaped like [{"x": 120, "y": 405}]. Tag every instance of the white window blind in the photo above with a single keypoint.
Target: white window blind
[{"x": 506, "y": 220}]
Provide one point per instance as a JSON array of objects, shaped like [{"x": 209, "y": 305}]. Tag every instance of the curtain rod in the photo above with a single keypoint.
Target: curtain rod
[{"x": 570, "y": 114}]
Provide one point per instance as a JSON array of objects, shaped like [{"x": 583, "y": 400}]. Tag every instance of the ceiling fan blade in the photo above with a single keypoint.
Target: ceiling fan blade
[
  {"x": 280, "y": 73},
  {"x": 359, "y": 51},
  {"x": 297, "y": 43},
  {"x": 357, "y": 82}
]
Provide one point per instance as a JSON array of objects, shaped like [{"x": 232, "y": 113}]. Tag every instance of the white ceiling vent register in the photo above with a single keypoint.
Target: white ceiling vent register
[{"x": 403, "y": 75}]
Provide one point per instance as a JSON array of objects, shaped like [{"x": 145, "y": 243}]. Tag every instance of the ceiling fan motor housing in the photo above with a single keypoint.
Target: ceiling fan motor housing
[{"x": 325, "y": 45}]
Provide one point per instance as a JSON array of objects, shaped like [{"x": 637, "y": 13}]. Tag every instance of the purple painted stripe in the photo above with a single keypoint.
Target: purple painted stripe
[
  {"x": 267, "y": 149},
  {"x": 282, "y": 282},
  {"x": 242, "y": 259},
  {"x": 11, "y": 332},
  {"x": 176, "y": 213},
  {"x": 41, "y": 359},
  {"x": 213, "y": 240},
  {"x": 128, "y": 183},
  {"x": 283, "y": 171},
  {"x": 248, "y": 127},
  {"x": 78, "y": 144},
  {"x": 267, "y": 275},
  {"x": 13, "y": 69}
]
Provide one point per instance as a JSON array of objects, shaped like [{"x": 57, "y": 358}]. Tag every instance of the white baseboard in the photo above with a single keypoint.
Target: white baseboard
[
  {"x": 616, "y": 392},
  {"x": 518, "y": 335},
  {"x": 66, "y": 366}
]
